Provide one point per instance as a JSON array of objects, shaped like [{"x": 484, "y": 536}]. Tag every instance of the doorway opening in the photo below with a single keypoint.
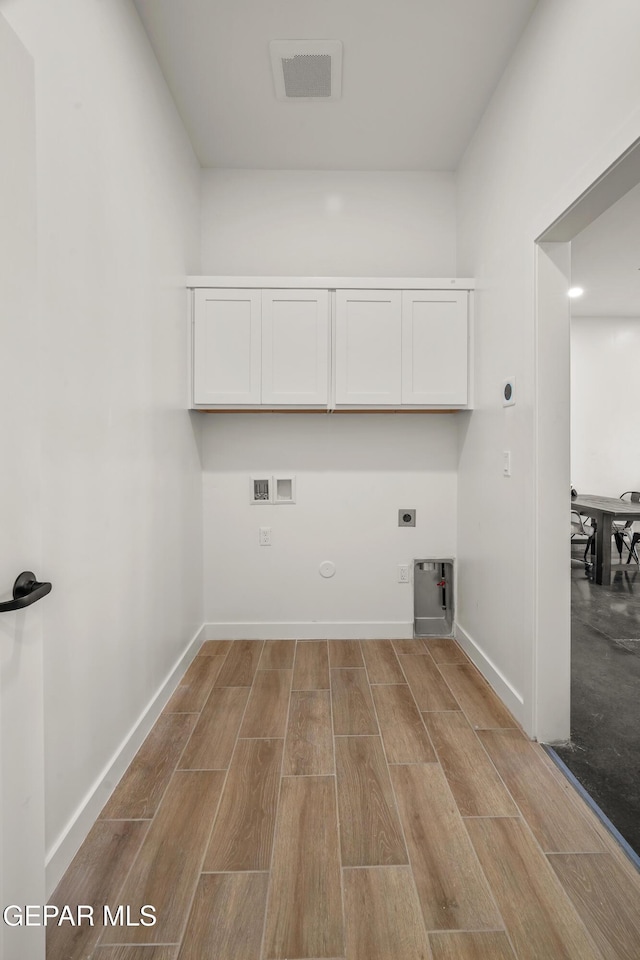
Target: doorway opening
[{"x": 588, "y": 635}]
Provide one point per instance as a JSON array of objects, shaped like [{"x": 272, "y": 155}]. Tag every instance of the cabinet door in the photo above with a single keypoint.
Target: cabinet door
[
  {"x": 226, "y": 347},
  {"x": 368, "y": 342},
  {"x": 295, "y": 347},
  {"x": 434, "y": 347}
]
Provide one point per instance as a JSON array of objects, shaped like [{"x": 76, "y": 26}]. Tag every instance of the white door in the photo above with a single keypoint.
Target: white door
[
  {"x": 368, "y": 347},
  {"x": 226, "y": 347},
  {"x": 434, "y": 347},
  {"x": 295, "y": 347},
  {"x": 21, "y": 702}
]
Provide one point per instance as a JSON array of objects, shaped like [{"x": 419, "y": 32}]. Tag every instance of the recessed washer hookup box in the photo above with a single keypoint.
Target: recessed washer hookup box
[{"x": 433, "y": 598}]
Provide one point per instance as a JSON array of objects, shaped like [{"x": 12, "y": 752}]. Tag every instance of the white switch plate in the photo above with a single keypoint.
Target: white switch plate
[
  {"x": 506, "y": 463},
  {"x": 264, "y": 536}
]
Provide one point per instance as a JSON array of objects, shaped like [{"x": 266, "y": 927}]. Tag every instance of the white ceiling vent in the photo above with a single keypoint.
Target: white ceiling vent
[{"x": 307, "y": 69}]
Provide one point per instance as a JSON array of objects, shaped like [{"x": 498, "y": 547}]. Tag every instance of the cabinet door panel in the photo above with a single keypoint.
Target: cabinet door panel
[
  {"x": 227, "y": 347},
  {"x": 368, "y": 341},
  {"x": 434, "y": 347},
  {"x": 295, "y": 346}
]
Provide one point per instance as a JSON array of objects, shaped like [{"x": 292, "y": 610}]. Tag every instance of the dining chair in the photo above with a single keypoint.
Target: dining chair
[
  {"x": 628, "y": 533},
  {"x": 582, "y": 528},
  {"x": 633, "y": 547}
]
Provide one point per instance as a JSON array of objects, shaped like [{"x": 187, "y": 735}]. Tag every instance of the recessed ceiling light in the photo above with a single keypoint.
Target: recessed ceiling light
[{"x": 575, "y": 292}]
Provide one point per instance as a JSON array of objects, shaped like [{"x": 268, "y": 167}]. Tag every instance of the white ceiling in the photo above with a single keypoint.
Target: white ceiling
[
  {"x": 605, "y": 261},
  {"x": 417, "y": 76}
]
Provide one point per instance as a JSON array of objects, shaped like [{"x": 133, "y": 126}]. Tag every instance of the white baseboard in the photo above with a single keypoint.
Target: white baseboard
[
  {"x": 312, "y": 630},
  {"x": 67, "y": 844},
  {"x": 512, "y": 699}
]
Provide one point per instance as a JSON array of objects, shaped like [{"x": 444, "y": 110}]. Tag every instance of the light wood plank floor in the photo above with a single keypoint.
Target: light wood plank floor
[{"x": 347, "y": 800}]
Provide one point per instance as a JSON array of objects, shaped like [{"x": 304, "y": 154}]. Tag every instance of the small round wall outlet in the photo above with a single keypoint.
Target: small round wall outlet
[{"x": 327, "y": 569}]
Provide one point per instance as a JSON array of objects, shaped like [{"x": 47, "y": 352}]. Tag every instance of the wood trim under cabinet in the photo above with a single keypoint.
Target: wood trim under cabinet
[{"x": 262, "y": 410}]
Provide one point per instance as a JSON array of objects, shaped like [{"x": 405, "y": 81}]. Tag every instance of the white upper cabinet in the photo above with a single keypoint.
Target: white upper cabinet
[
  {"x": 434, "y": 347},
  {"x": 295, "y": 347},
  {"x": 368, "y": 348},
  {"x": 253, "y": 348},
  {"x": 227, "y": 348},
  {"x": 361, "y": 344}
]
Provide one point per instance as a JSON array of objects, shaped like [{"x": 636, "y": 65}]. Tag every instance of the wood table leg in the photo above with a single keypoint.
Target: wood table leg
[{"x": 603, "y": 549}]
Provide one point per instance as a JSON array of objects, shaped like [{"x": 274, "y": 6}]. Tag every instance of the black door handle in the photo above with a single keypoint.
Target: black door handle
[{"x": 26, "y": 590}]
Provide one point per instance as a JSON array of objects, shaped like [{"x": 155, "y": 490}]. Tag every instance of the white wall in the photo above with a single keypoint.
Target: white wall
[
  {"x": 566, "y": 107},
  {"x": 605, "y": 452},
  {"x": 118, "y": 210},
  {"x": 353, "y": 475},
  {"x": 328, "y": 223},
  {"x": 354, "y": 472}
]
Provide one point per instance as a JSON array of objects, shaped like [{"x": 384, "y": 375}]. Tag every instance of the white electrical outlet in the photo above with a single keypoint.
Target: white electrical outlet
[
  {"x": 264, "y": 536},
  {"x": 506, "y": 463},
  {"x": 403, "y": 573}
]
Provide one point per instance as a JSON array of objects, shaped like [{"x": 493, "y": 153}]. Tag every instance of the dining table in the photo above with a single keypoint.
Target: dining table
[{"x": 604, "y": 510}]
